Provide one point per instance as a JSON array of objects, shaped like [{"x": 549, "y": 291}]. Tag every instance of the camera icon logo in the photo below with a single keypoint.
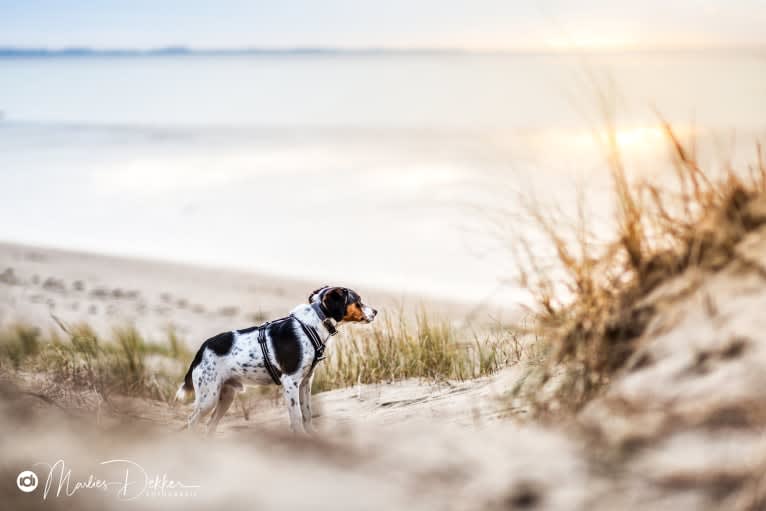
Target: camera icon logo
[{"x": 27, "y": 481}]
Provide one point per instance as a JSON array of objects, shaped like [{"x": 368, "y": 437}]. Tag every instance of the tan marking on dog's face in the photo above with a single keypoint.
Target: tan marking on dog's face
[{"x": 354, "y": 312}]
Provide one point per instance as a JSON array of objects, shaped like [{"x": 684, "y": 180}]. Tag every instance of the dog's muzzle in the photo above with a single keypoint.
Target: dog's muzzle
[{"x": 369, "y": 313}]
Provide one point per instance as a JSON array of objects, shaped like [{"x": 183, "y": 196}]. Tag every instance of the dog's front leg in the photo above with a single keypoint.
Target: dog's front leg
[
  {"x": 292, "y": 398},
  {"x": 305, "y": 395}
]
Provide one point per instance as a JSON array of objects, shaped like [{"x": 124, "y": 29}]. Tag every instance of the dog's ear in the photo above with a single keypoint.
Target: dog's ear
[
  {"x": 316, "y": 292},
  {"x": 334, "y": 301}
]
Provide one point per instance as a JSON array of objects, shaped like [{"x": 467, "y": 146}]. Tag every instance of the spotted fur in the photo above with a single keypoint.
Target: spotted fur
[{"x": 228, "y": 362}]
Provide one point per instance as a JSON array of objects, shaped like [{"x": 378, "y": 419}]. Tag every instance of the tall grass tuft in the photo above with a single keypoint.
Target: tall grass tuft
[
  {"x": 18, "y": 343},
  {"x": 392, "y": 349},
  {"x": 125, "y": 364},
  {"x": 594, "y": 315}
]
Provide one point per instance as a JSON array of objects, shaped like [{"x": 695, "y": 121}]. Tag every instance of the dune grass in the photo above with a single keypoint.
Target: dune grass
[
  {"x": 126, "y": 363},
  {"x": 392, "y": 349},
  {"x": 661, "y": 231}
]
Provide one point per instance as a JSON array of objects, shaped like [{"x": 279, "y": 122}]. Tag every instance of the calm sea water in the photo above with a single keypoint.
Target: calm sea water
[{"x": 384, "y": 170}]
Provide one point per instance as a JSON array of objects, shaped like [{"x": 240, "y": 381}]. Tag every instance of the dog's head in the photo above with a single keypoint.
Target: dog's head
[{"x": 343, "y": 304}]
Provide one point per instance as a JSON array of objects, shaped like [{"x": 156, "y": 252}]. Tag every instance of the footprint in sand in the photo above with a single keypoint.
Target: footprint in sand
[
  {"x": 54, "y": 284},
  {"x": 228, "y": 311},
  {"x": 9, "y": 277},
  {"x": 99, "y": 292}
]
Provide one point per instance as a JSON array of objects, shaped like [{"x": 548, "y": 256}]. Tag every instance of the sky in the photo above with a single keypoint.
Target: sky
[{"x": 464, "y": 24}]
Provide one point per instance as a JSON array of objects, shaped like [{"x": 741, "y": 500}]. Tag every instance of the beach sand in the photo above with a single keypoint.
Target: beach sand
[
  {"x": 37, "y": 284},
  {"x": 681, "y": 427}
]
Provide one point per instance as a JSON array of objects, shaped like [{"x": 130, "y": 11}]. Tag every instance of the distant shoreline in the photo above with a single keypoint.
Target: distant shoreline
[{"x": 183, "y": 51}]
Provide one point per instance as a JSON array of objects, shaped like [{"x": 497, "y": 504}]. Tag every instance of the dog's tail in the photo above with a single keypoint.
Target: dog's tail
[
  {"x": 183, "y": 391},
  {"x": 187, "y": 387}
]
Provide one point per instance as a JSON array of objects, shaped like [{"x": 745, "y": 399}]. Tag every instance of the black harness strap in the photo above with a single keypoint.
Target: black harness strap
[
  {"x": 310, "y": 332},
  {"x": 316, "y": 342},
  {"x": 275, "y": 373}
]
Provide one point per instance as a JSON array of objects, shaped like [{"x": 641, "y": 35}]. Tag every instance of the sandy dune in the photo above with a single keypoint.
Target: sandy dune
[
  {"x": 406, "y": 445},
  {"x": 197, "y": 302},
  {"x": 681, "y": 428}
]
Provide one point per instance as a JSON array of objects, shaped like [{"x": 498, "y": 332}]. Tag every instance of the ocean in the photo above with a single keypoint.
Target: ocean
[{"x": 403, "y": 172}]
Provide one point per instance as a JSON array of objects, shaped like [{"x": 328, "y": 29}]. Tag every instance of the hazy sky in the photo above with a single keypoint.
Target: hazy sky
[{"x": 475, "y": 24}]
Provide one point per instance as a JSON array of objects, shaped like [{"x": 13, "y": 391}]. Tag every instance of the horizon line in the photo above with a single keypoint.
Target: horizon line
[{"x": 182, "y": 50}]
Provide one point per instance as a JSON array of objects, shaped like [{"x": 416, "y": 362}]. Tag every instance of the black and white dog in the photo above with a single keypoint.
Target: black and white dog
[{"x": 284, "y": 351}]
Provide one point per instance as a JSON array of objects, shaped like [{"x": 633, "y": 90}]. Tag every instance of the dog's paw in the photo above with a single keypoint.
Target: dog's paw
[{"x": 297, "y": 430}]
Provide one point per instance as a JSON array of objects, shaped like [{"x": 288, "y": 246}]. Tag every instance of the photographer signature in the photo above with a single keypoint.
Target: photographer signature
[{"x": 132, "y": 483}]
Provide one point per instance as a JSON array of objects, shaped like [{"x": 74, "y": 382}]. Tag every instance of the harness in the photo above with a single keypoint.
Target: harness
[{"x": 310, "y": 332}]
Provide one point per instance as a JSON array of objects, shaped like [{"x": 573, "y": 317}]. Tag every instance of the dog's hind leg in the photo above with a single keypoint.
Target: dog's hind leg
[
  {"x": 292, "y": 398},
  {"x": 207, "y": 388},
  {"x": 245, "y": 408},
  {"x": 207, "y": 397},
  {"x": 224, "y": 402}
]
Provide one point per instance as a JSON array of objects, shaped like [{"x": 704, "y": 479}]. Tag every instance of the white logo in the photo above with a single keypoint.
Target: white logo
[
  {"x": 27, "y": 481},
  {"x": 126, "y": 478}
]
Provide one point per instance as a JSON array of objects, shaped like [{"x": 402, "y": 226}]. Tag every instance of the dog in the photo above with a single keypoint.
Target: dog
[{"x": 285, "y": 352}]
